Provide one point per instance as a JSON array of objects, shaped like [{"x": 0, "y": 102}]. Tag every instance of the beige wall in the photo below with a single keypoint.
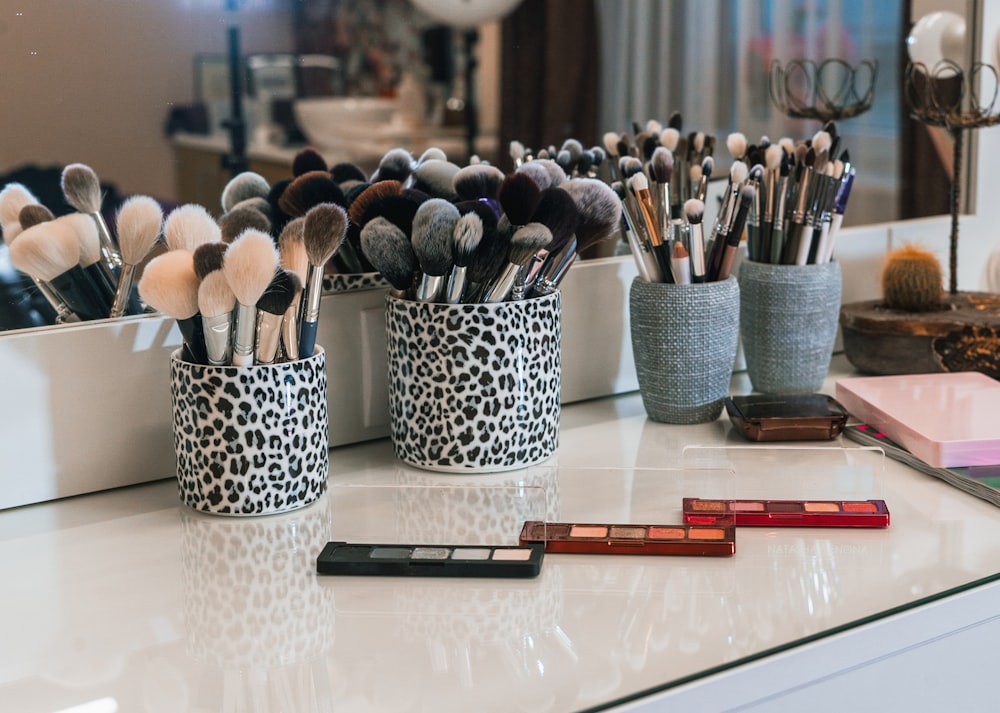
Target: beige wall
[{"x": 92, "y": 81}]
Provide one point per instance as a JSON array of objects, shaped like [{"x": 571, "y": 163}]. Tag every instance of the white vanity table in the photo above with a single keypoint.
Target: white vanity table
[{"x": 124, "y": 599}]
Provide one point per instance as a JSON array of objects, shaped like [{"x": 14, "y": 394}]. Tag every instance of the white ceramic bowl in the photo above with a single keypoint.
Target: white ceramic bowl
[{"x": 330, "y": 121}]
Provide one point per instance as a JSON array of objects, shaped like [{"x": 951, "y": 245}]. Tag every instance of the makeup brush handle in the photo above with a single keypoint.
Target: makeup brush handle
[
  {"x": 243, "y": 334},
  {"x": 64, "y": 315},
  {"x": 217, "y": 330},
  {"x": 456, "y": 284},
  {"x": 268, "y": 337},
  {"x": 123, "y": 291},
  {"x": 307, "y": 338},
  {"x": 194, "y": 338},
  {"x": 111, "y": 259},
  {"x": 502, "y": 286},
  {"x": 290, "y": 331}
]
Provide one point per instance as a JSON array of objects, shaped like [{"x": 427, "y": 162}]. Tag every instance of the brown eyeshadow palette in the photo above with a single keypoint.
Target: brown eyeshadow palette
[
  {"x": 503, "y": 561},
  {"x": 623, "y": 539},
  {"x": 787, "y": 513}
]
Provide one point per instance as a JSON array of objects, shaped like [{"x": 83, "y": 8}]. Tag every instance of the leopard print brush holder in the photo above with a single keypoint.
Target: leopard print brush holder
[
  {"x": 474, "y": 388},
  {"x": 250, "y": 440}
]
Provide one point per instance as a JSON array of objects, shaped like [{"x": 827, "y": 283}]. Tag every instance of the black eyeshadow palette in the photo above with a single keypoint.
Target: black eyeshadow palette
[{"x": 503, "y": 561}]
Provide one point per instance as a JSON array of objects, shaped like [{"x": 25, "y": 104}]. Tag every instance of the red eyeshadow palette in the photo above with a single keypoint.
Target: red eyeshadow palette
[
  {"x": 594, "y": 539},
  {"x": 787, "y": 513},
  {"x": 504, "y": 561}
]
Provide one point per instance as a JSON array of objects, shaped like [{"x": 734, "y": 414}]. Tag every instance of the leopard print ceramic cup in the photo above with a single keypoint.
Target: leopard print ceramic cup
[
  {"x": 250, "y": 440},
  {"x": 474, "y": 388}
]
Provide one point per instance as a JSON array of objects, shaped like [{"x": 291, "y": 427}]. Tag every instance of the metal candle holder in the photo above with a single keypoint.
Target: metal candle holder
[
  {"x": 825, "y": 91},
  {"x": 948, "y": 97}
]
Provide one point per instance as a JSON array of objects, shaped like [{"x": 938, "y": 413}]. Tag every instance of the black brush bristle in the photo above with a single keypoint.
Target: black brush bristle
[
  {"x": 345, "y": 171},
  {"x": 558, "y": 212},
  {"x": 306, "y": 160},
  {"x": 309, "y": 190},
  {"x": 519, "y": 196}
]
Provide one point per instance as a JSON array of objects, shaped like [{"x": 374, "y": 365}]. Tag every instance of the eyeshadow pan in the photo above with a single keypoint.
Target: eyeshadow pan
[
  {"x": 431, "y": 553},
  {"x": 471, "y": 553},
  {"x": 628, "y": 532},
  {"x": 512, "y": 554},
  {"x": 588, "y": 531},
  {"x": 708, "y": 533},
  {"x": 709, "y": 505},
  {"x": 784, "y": 507},
  {"x": 860, "y": 507},
  {"x": 390, "y": 553},
  {"x": 748, "y": 506},
  {"x": 822, "y": 507},
  {"x": 666, "y": 533}
]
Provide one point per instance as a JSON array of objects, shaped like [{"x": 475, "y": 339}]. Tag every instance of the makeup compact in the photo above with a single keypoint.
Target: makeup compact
[
  {"x": 594, "y": 539},
  {"x": 786, "y": 417},
  {"x": 503, "y": 561},
  {"x": 787, "y": 513}
]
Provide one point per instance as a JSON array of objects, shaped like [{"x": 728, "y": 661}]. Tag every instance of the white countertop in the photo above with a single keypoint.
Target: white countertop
[{"x": 124, "y": 596}]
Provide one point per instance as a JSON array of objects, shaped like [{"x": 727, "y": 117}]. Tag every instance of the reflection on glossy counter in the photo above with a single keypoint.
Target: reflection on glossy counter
[{"x": 126, "y": 597}]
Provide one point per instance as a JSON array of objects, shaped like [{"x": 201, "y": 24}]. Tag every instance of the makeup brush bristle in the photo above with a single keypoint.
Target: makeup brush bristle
[
  {"x": 246, "y": 184},
  {"x": 347, "y": 172},
  {"x": 13, "y": 197},
  {"x": 139, "y": 223},
  {"x": 249, "y": 264},
  {"x": 519, "y": 196},
  {"x": 558, "y": 212},
  {"x": 323, "y": 232},
  {"x": 85, "y": 230},
  {"x": 309, "y": 190},
  {"x": 279, "y": 293},
  {"x": 241, "y": 218},
  {"x": 538, "y": 173},
  {"x": 396, "y": 165},
  {"x": 527, "y": 240},
  {"x": 208, "y": 258},
  {"x": 661, "y": 165},
  {"x": 694, "y": 210},
  {"x": 82, "y": 188},
  {"x": 292, "y": 248},
  {"x": 436, "y": 178},
  {"x": 188, "y": 226},
  {"x": 600, "y": 210},
  {"x": 610, "y": 140},
  {"x": 365, "y": 205},
  {"x": 169, "y": 284},
  {"x": 389, "y": 250},
  {"x": 306, "y": 160},
  {"x": 215, "y": 296},
  {"x": 480, "y": 181},
  {"x": 465, "y": 242},
  {"x": 433, "y": 233},
  {"x": 45, "y": 251},
  {"x": 707, "y": 167},
  {"x": 34, "y": 214}
]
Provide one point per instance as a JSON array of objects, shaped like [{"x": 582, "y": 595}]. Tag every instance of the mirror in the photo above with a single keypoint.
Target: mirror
[{"x": 97, "y": 83}]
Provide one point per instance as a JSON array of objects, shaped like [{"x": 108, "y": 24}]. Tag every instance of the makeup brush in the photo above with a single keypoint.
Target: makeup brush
[
  {"x": 278, "y": 216},
  {"x": 402, "y": 209},
  {"x": 170, "y": 286},
  {"x": 795, "y": 245},
  {"x": 436, "y": 178},
  {"x": 188, "y": 226},
  {"x": 389, "y": 249},
  {"x": 292, "y": 249},
  {"x": 600, "y": 210},
  {"x": 487, "y": 261},
  {"x": 290, "y": 320},
  {"x": 307, "y": 159},
  {"x": 82, "y": 190},
  {"x": 346, "y": 174},
  {"x": 610, "y": 141},
  {"x": 565, "y": 162},
  {"x": 432, "y": 236},
  {"x": 33, "y": 215},
  {"x": 557, "y": 264},
  {"x": 556, "y": 175},
  {"x": 249, "y": 265},
  {"x": 661, "y": 168},
  {"x": 638, "y": 186},
  {"x": 733, "y": 238},
  {"x": 707, "y": 167},
  {"x": 271, "y": 309},
  {"x": 694, "y": 211},
  {"x": 395, "y": 165},
  {"x": 208, "y": 258},
  {"x": 526, "y": 241},
  {"x": 216, "y": 303},
  {"x": 244, "y": 185},
  {"x": 309, "y": 190},
  {"x": 323, "y": 234},
  {"x": 432, "y": 153},
  {"x": 557, "y": 211},
  {"x": 646, "y": 262},
  {"x": 777, "y": 238},
  {"x": 85, "y": 230},
  {"x": 49, "y": 252},
  {"x": 465, "y": 242}
]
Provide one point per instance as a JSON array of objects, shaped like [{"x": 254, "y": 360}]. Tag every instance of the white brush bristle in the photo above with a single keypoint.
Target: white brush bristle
[
  {"x": 736, "y": 144},
  {"x": 139, "y": 223},
  {"x": 821, "y": 142},
  {"x": 45, "y": 251},
  {"x": 694, "y": 210},
  {"x": 292, "y": 248},
  {"x": 738, "y": 172},
  {"x": 670, "y": 137},
  {"x": 13, "y": 198},
  {"x": 610, "y": 140},
  {"x": 654, "y": 127},
  {"x": 188, "y": 226},
  {"x": 638, "y": 182},
  {"x": 85, "y": 230},
  {"x": 215, "y": 296},
  {"x": 249, "y": 265},
  {"x": 516, "y": 150},
  {"x": 169, "y": 284},
  {"x": 772, "y": 157}
]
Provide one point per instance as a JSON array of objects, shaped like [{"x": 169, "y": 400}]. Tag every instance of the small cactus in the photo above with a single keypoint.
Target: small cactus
[{"x": 912, "y": 280}]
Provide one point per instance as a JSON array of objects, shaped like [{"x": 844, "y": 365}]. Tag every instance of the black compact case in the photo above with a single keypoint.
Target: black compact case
[{"x": 789, "y": 417}]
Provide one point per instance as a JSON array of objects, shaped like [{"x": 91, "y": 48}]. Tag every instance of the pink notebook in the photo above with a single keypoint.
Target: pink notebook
[{"x": 945, "y": 420}]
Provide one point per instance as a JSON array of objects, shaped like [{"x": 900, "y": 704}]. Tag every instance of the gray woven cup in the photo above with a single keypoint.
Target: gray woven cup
[
  {"x": 788, "y": 321},
  {"x": 684, "y": 341}
]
